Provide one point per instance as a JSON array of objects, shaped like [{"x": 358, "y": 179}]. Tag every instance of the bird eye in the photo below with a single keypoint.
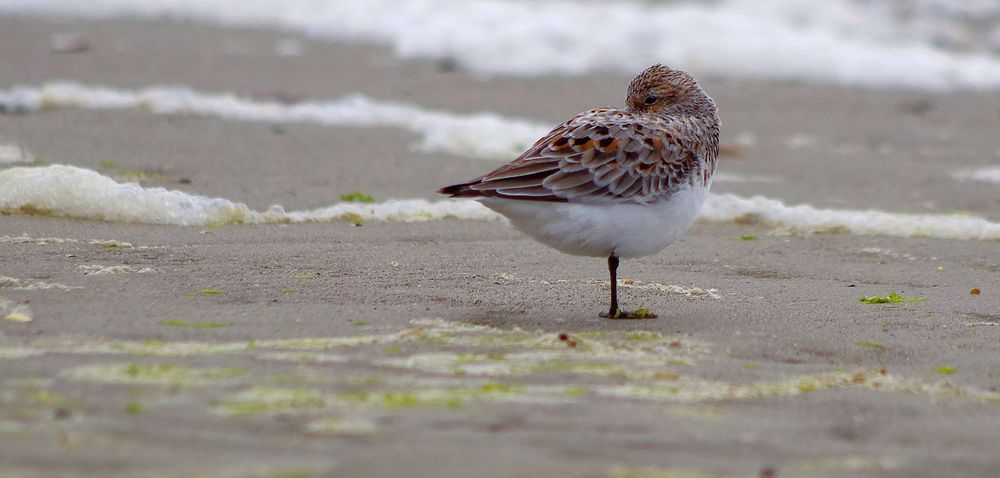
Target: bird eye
[{"x": 650, "y": 100}]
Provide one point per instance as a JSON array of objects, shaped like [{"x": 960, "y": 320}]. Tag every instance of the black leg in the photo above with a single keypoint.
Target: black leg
[{"x": 613, "y": 312}]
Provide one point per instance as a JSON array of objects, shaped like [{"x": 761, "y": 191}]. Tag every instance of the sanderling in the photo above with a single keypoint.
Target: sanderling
[{"x": 610, "y": 182}]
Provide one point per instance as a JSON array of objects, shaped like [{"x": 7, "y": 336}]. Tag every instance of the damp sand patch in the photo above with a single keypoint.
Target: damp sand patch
[
  {"x": 624, "y": 471},
  {"x": 539, "y": 363},
  {"x": 101, "y": 346},
  {"x": 459, "y": 396},
  {"x": 15, "y": 352},
  {"x": 260, "y": 400},
  {"x": 342, "y": 426},
  {"x": 305, "y": 357},
  {"x": 27, "y": 403},
  {"x": 688, "y": 389},
  {"x": 197, "y": 325},
  {"x": 444, "y": 364},
  {"x": 161, "y": 348},
  {"x": 267, "y": 400},
  {"x": 281, "y": 470},
  {"x": 154, "y": 374},
  {"x": 433, "y": 332},
  {"x": 847, "y": 465}
]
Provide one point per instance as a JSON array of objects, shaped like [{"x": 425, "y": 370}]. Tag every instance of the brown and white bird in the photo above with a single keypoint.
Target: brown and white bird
[{"x": 615, "y": 183}]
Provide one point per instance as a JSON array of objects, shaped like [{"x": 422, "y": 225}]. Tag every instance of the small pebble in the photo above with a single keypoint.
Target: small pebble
[
  {"x": 918, "y": 106},
  {"x": 447, "y": 64},
  {"x": 69, "y": 43}
]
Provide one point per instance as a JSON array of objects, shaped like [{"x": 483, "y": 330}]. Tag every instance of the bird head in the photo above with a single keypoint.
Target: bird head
[{"x": 663, "y": 90}]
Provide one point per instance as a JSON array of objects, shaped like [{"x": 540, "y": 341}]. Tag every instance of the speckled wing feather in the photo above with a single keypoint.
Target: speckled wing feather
[{"x": 602, "y": 155}]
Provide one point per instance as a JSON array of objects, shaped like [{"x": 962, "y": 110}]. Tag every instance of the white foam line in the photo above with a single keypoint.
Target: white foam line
[
  {"x": 806, "y": 218},
  {"x": 14, "y": 154},
  {"x": 834, "y": 41},
  {"x": 986, "y": 175},
  {"x": 482, "y": 135},
  {"x": 69, "y": 191}
]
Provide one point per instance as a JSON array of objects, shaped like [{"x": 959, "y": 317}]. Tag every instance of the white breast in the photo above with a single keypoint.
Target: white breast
[{"x": 600, "y": 230}]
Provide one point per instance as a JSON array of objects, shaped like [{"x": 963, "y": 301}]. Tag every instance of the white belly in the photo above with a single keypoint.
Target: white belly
[{"x": 600, "y": 230}]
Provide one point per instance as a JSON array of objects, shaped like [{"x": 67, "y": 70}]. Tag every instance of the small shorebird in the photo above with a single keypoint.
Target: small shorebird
[{"x": 615, "y": 183}]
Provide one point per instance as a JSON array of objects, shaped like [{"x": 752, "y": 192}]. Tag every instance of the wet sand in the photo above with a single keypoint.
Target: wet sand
[{"x": 437, "y": 349}]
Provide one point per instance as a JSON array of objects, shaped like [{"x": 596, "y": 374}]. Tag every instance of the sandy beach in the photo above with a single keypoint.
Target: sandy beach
[{"x": 455, "y": 348}]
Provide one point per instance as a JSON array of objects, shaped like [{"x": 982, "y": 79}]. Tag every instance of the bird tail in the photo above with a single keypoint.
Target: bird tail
[{"x": 459, "y": 191}]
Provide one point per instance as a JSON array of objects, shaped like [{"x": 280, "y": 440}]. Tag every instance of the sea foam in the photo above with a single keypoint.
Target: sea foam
[
  {"x": 809, "y": 219},
  {"x": 69, "y": 191},
  {"x": 835, "y": 41},
  {"x": 438, "y": 131},
  {"x": 11, "y": 153},
  {"x": 985, "y": 175}
]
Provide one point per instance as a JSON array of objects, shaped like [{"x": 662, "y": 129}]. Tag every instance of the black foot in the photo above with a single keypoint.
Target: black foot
[{"x": 638, "y": 314}]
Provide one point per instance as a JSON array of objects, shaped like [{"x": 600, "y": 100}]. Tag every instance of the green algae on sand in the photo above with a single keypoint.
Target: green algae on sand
[
  {"x": 200, "y": 325},
  {"x": 204, "y": 292},
  {"x": 342, "y": 426},
  {"x": 357, "y": 196},
  {"x": 261, "y": 400},
  {"x": 153, "y": 374},
  {"x": 888, "y": 299},
  {"x": 443, "y": 364},
  {"x": 435, "y": 397},
  {"x": 689, "y": 389},
  {"x": 944, "y": 370},
  {"x": 643, "y": 335},
  {"x": 268, "y": 400},
  {"x": 869, "y": 344},
  {"x": 653, "y": 472}
]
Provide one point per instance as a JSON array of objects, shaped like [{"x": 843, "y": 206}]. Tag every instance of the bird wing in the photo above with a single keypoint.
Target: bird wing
[{"x": 602, "y": 154}]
